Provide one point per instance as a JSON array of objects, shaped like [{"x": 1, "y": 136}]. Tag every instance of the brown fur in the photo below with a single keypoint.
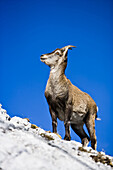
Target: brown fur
[{"x": 66, "y": 101}]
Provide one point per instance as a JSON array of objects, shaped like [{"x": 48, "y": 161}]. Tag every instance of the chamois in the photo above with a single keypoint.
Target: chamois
[{"x": 66, "y": 101}]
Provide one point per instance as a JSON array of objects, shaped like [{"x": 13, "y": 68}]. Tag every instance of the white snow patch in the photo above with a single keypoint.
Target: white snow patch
[{"x": 24, "y": 148}]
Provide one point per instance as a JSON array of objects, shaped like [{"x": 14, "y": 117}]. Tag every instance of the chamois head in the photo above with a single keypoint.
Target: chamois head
[{"x": 57, "y": 57}]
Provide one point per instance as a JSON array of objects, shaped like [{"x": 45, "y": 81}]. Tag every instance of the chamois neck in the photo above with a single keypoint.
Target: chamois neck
[{"x": 57, "y": 72}]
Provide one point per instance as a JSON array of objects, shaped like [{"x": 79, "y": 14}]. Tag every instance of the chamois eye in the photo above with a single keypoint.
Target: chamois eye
[{"x": 57, "y": 53}]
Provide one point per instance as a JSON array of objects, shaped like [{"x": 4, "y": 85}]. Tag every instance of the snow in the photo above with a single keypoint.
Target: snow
[{"x": 25, "y": 148}]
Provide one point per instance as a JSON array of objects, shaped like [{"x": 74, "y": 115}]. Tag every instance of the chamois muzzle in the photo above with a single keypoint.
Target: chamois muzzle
[{"x": 42, "y": 58}]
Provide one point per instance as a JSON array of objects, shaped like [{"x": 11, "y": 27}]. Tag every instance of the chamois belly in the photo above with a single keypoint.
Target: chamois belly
[
  {"x": 58, "y": 105},
  {"x": 80, "y": 110},
  {"x": 77, "y": 118},
  {"x": 60, "y": 114}
]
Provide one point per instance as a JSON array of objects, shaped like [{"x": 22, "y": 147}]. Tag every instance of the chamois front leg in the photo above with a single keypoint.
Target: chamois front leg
[
  {"x": 54, "y": 120},
  {"x": 67, "y": 122}
]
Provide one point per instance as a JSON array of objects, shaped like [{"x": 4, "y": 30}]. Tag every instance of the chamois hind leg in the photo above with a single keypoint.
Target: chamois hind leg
[
  {"x": 90, "y": 124},
  {"x": 78, "y": 129},
  {"x": 54, "y": 120}
]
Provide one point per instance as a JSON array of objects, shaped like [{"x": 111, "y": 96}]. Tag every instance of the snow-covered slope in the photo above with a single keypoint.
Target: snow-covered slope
[{"x": 26, "y": 147}]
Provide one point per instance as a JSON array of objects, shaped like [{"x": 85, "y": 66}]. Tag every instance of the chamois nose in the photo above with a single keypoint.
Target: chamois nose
[{"x": 42, "y": 55}]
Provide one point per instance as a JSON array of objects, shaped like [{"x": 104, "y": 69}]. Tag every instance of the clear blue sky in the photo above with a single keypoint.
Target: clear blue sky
[{"x": 29, "y": 28}]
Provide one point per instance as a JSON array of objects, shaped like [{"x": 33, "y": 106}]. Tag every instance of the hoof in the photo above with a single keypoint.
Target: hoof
[
  {"x": 94, "y": 144},
  {"x": 85, "y": 142},
  {"x": 68, "y": 138}
]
